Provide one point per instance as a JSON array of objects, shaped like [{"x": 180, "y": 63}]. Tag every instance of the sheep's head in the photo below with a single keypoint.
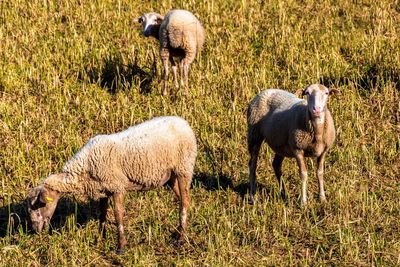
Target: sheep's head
[
  {"x": 317, "y": 99},
  {"x": 41, "y": 204},
  {"x": 151, "y": 23}
]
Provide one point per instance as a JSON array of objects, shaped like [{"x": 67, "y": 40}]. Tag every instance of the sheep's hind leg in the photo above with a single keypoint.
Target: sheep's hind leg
[
  {"x": 277, "y": 164},
  {"x": 189, "y": 57},
  {"x": 119, "y": 214},
  {"x": 103, "y": 206},
  {"x": 174, "y": 71},
  {"x": 182, "y": 73},
  {"x": 164, "y": 83},
  {"x": 184, "y": 189},
  {"x": 320, "y": 175},
  {"x": 173, "y": 183},
  {"x": 254, "y": 149},
  {"x": 303, "y": 175}
]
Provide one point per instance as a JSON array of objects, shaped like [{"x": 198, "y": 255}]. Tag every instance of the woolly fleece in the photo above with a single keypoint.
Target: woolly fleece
[
  {"x": 140, "y": 158},
  {"x": 281, "y": 119}
]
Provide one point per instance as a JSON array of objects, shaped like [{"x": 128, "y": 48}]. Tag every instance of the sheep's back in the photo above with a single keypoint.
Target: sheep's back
[
  {"x": 272, "y": 114},
  {"x": 183, "y": 29},
  {"x": 152, "y": 149},
  {"x": 269, "y": 102}
]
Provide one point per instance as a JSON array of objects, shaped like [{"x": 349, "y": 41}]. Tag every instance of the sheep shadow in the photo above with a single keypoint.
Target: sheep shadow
[
  {"x": 114, "y": 75},
  {"x": 223, "y": 182},
  {"x": 211, "y": 182},
  {"x": 372, "y": 76},
  {"x": 243, "y": 190},
  {"x": 14, "y": 218}
]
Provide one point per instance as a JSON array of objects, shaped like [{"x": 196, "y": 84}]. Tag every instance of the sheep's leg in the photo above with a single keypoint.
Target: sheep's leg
[
  {"x": 103, "y": 215},
  {"x": 254, "y": 149},
  {"x": 119, "y": 214},
  {"x": 189, "y": 57},
  {"x": 182, "y": 73},
  {"x": 164, "y": 84},
  {"x": 277, "y": 164},
  {"x": 173, "y": 182},
  {"x": 320, "y": 175},
  {"x": 174, "y": 71},
  {"x": 303, "y": 175},
  {"x": 184, "y": 188}
]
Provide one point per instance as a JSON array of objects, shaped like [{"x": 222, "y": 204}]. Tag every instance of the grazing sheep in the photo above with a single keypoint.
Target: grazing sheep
[
  {"x": 293, "y": 128},
  {"x": 143, "y": 157},
  {"x": 180, "y": 34}
]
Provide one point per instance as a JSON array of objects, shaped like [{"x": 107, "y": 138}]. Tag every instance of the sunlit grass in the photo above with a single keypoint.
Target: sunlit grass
[{"x": 70, "y": 70}]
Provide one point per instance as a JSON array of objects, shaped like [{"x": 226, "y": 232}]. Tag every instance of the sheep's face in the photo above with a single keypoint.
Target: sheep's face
[
  {"x": 41, "y": 204},
  {"x": 317, "y": 99},
  {"x": 151, "y": 23}
]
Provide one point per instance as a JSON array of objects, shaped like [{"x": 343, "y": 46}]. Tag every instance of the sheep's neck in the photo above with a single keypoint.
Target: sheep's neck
[
  {"x": 155, "y": 31},
  {"x": 68, "y": 184},
  {"x": 317, "y": 129}
]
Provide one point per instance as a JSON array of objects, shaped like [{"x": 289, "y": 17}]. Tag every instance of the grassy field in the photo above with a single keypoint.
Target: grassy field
[{"x": 73, "y": 69}]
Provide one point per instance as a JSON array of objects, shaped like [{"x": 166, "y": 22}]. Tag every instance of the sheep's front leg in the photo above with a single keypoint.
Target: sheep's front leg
[
  {"x": 119, "y": 214},
  {"x": 320, "y": 175},
  {"x": 303, "y": 175},
  {"x": 103, "y": 215},
  {"x": 184, "y": 189}
]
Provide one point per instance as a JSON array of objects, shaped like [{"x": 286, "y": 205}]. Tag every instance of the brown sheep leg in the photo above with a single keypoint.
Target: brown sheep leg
[
  {"x": 303, "y": 175},
  {"x": 254, "y": 149},
  {"x": 277, "y": 165},
  {"x": 103, "y": 215},
  {"x": 119, "y": 214},
  {"x": 173, "y": 182},
  {"x": 184, "y": 189},
  {"x": 320, "y": 175}
]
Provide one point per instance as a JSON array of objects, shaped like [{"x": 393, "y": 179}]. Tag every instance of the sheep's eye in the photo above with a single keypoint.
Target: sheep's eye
[{"x": 140, "y": 20}]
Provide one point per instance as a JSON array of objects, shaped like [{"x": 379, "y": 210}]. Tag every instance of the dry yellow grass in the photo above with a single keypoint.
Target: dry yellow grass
[{"x": 70, "y": 70}]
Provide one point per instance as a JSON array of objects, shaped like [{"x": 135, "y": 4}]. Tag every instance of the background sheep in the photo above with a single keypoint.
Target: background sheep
[
  {"x": 292, "y": 127},
  {"x": 143, "y": 157},
  {"x": 180, "y": 34}
]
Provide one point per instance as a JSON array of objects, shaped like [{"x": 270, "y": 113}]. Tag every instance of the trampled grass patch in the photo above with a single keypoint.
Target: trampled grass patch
[{"x": 70, "y": 70}]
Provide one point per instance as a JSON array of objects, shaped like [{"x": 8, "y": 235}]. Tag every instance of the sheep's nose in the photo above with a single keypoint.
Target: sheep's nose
[{"x": 316, "y": 110}]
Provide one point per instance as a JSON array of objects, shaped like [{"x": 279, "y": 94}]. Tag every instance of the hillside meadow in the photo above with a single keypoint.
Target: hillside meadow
[{"x": 72, "y": 69}]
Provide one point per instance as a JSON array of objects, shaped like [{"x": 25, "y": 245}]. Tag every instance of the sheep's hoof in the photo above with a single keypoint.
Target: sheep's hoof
[
  {"x": 251, "y": 200},
  {"x": 178, "y": 242},
  {"x": 120, "y": 251}
]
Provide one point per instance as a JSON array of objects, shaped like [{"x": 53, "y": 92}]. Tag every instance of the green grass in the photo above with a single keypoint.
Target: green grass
[{"x": 70, "y": 70}]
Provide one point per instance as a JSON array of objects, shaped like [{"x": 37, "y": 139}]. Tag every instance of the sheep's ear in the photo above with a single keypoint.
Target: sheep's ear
[
  {"x": 34, "y": 196},
  {"x": 160, "y": 18},
  {"x": 334, "y": 91},
  {"x": 44, "y": 196},
  {"x": 48, "y": 196},
  {"x": 138, "y": 20},
  {"x": 300, "y": 92}
]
